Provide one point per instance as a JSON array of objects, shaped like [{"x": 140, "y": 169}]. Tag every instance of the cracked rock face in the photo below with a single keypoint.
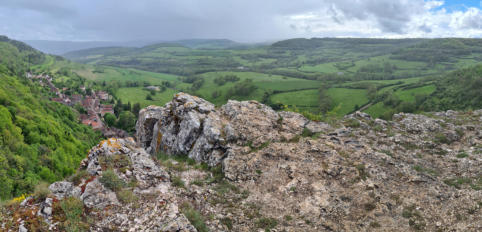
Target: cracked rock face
[
  {"x": 131, "y": 164},
  {"x": 190, "y": 125}
]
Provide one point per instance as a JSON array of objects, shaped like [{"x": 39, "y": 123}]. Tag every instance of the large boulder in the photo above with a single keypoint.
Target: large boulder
[{"x": 189, "y": 125}]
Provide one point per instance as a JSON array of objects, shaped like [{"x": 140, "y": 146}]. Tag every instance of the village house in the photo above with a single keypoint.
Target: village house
[
  {"x": 88, "y": 102},
  {"x": 106, "y": 109},
  {"x": 102, "y": 95},
  {"x": 92, "y": 121}
]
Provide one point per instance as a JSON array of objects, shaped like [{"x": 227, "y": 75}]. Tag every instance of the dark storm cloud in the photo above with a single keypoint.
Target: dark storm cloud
[{"x": 244, "y": 20}]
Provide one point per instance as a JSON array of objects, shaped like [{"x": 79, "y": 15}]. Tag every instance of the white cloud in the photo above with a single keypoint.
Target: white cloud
[
  {"x": 401, "y": 20},
  {"x": 433, "y": 4},
  {"x": 243, "y": 20}
]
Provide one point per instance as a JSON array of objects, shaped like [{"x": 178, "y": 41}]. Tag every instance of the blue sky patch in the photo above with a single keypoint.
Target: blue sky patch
[{"x": 461, "y": 5}]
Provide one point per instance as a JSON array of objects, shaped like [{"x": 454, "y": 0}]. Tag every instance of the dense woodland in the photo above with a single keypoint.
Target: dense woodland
[{"x": 40, "y": 140}]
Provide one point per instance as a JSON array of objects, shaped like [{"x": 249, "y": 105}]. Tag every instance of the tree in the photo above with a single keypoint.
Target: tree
[
  {"x": 110, "y": 119},
  {"x": 216, "y": 94},
  {"x": 372, "y": 92},
  {"x": 118, "y": 108},
  {"x": 325, "y": 102},
  {"x": 136, "y": 108},
  {"x": 128, "y": 107},
  {"x": 149, "y": 97},
  {"x": 80, "y": 109},
  {"x": 127, "y": 121},
  {"x": 88, "y": 91}
]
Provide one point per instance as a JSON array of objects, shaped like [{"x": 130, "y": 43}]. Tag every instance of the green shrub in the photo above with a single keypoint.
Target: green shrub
[
  {"x": 352, "y": 123},
  {"x": 266, "y": 223},
  {"x": 228, "y": 222},
  {"x": 41, "y": 191},
  {"x": 288, "y": 217},
  {"x": 177, "y": 182},
  {"x": 111, "y": 181},
  {"x": 73, "y": 209},
  {"x": 194, "y": 216},
  {"x": 197, "y": 182},
  {"x": 362, "y": 173},
  {"x": 441, "y": 138},
  {"x": 224, "y": 187},
  {"x": 126, "y": 196},
  {"x": 462, "y": 155},
  {"x": 458, "y": 182},
  {"x": 307, "y": 133},
  {"x": 76, "y": 179}
]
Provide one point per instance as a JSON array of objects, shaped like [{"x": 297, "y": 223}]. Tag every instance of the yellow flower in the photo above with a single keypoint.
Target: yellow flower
[{"x": 20, "y": 198}]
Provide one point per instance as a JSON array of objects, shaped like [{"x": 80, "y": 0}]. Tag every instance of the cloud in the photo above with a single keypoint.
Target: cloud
[{"x": 247, "y": 20}]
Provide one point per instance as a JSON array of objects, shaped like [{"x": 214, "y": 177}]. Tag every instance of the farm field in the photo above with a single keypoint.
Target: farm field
[
  {"x": 345, "y": 100},
  {"x": 138, "y": 95},
  {"x": 303, "y": 99},
  {"x": 289, "y": 72}
]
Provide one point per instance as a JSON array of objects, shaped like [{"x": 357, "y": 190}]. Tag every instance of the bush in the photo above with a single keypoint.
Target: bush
[
  {"x": 177, "y": 182},
  {"x": 194, "y": 217},
  {"x": 78, "y": 176},
  {"x": 243, "y": 88},
  {"x": 462, "y": 155},
  {"x": 441, "y": 138},
  {"x": 126, "y": 196},
  {"x": 111, "y": 181},
  {"x": 73, "y": 209},
  {"x": 41, "y": 191},
  {"x": 266, "y": 223},
  {"x": 307, "y": 133},
  {"x": 228, "y": 222},
  {"x": 110, "y": 119}
]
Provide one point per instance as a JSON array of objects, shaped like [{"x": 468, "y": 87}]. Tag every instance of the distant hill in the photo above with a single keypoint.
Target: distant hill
[
  {"x": 458, "y": 90},
  {"x": 61, "y": 47},
  {"x": 208, "y": 43}
]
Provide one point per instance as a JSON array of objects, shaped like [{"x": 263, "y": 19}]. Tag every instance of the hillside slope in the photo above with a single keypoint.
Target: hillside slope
[
  {"x": 245, "y": 167},
  {"x": 459, "y": 90},
  {"x": 39, "y": 140}
]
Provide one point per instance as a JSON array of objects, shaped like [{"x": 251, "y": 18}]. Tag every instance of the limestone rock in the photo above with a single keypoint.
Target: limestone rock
[
  {"x": 416, "y": 172},
  {"x": 191, "y": 126}
]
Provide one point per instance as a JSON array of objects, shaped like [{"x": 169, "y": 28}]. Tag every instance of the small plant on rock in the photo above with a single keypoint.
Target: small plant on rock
[
  {"x": 41, "y": 191},
  {"x": 73, "y": 208},
  {"x": 126, "y": 196},
  {"x": 266, "y": 223},
  {"x": 177, "y": 182},
  {"x": 194, "y": 216},
  {"x": 111, "y": 181}
]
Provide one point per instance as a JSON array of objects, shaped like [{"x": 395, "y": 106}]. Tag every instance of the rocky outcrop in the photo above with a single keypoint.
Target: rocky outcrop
[
  {"x": 280, "y": 172},
  {"x": 191, "y": 126},
  {"x": 132, "y": 172}
]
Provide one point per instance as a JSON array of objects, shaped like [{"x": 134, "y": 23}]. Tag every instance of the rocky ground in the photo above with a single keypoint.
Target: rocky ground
[{"x": 245, "y": 167}]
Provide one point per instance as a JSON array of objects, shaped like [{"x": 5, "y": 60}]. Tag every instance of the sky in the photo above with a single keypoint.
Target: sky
[{"x": 239, "y": 20}]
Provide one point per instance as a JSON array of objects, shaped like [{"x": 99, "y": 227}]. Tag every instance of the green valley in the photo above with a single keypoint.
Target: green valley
[{"x": 289, "y": 74}]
